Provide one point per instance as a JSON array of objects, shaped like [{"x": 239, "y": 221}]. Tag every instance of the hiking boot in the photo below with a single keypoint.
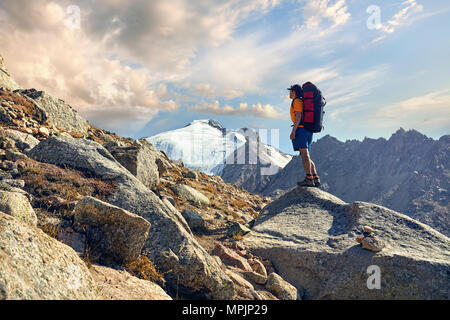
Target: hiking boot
[
  {"x": 317, "y": 182},
  {"x": 306, "y": 183}
]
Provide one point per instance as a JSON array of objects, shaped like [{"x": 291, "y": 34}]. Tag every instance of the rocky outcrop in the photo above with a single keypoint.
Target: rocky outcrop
[
  {"x": 187, "y": 266},
  {"x": 20, "y": 111},
  {"x": 372, "y": 243},
  {"x": 237, "y": 230},
  {"x": 35, "y": 266},
  {"x": 258, "y": 267},
  {"x": 163, "y": 163},
  {"x": 140, "y": 160},
  {"x": 194, "y": 220},
  {"x": 81, "y": 154},
  {"x": 22, "y": 141},
  {"x": 231, "y": 258},
  {"x": 252, "y": 165},
  {"x": 309, "y": 235},
  {"x": 244, "y": 289},
  {"x": 18, "y": 206},
  {"x": 190, "y": 174},
  {"x": 408, "y": 173},
  {"x": 282, "y": 289},
  {"x": 115, "y": 284},
  {"x": 255, "y": 277},
  {"x": 190, "y": 194},
  {"x": 113, "y": 233},
  {"x": 6, "y": 81},
  {"x": 2, "y": 64},
  {"x": 13, "y": 155},
  {"x": 58, "y": 113}
]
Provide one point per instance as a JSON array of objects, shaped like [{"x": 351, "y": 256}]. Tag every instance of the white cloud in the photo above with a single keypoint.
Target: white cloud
[
  {"x": 256, "y": 110},
  {"x": 319, "y": 75},
  {"x": 316, "y": 12},
  {"x": 208, "y": 91},
  {"x": 166, "y": 35},
  {"x": 90, "y": 67},
  {"x": 250, "y": 64},
  {"x": 401, "y": 18},
  {"x": 434, "y": 106},
  {"x": 164, "y": 42},
  {"x": 428, "y": 113},
  {"x": 342, "y": 86},
  {"x": 349, "y": 87}
]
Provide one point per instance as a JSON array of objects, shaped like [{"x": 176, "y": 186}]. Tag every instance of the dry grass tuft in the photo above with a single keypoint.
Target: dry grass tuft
[
  {"x": 51, "y": 230},
  {"x": 239, "y": 203},
  {"x": 237, "y": 237},
  {"x": 43, "y": 180},
  {"x": 87, "y": 257},
  {"x": 143, "y": 268},
  {"x": 20, "y": 103},
  {"x": 209, "y": 189}
]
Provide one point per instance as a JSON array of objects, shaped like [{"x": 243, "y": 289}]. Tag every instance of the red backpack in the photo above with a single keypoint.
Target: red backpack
[{"x": 313, "y": 108}]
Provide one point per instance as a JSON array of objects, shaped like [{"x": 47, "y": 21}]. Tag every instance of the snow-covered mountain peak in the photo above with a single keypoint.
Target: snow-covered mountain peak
[
  {"x": 206, "y": 144},
  {"x": 201, "y": 122}
]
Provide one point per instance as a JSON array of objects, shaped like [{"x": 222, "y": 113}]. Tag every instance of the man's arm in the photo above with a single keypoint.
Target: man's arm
[{"x": 298, "y": 119}]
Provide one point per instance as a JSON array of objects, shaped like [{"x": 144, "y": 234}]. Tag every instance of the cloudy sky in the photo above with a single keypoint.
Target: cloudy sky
[{"x": 140, "y": 67}]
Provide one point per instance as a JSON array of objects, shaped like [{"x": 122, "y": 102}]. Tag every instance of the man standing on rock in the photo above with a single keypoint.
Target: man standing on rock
[{"x": 302, "y": 138}]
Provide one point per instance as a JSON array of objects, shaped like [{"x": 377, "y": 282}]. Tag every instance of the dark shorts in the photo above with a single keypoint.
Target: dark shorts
[{"x": 303, "y": 139}]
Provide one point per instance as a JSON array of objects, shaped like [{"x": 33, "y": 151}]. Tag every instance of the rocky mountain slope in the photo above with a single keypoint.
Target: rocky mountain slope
[
  {"x": 253, "y": 172},
  {"x": 119, "y": 211},
  {"x": 408, "y": 173},
  {"x": 86, "y": 214}
]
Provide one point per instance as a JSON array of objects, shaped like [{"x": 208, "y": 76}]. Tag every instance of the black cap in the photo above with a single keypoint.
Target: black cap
[{"x": 295, "y": 87}]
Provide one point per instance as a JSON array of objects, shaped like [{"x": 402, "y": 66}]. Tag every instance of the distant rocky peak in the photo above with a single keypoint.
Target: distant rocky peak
[
  {"x": 210, "y": 122},
  {"x": 3, "y": 65},
  {"x": 6, "y": 82},
  {"x": 445, "y": 139},
  {"x": 410, "y": 132},
  {"x": 410, "y": 135},
  {"x": 328, "y": 141},
  {"x": 329, "y": 138},
  {"x": 215, "y": 124}
]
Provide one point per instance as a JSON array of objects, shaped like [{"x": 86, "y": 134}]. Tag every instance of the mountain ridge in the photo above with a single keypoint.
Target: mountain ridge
[{"x": 408, "y": 173}]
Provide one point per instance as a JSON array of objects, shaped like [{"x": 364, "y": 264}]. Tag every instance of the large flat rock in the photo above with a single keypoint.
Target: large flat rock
[
  {"x": 58, "y": 113},
  {"x": 114, "y": 234},
  {"x": 115, "y": 284},
  {"x": 17, "y": 205},
  {"x": 310, "y": 237},
  {"x": 38, "y": 267},
  {"x": 140, "y": 160}
]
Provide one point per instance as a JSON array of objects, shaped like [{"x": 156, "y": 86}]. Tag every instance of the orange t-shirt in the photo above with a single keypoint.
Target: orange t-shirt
[{"x": 297, "y": 107}]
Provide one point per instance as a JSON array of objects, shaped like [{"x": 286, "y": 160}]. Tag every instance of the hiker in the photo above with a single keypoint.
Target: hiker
[{"x": 302, "y": 138}]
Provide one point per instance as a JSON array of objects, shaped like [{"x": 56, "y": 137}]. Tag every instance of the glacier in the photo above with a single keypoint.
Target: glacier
[{"x": 205, "y": 145}]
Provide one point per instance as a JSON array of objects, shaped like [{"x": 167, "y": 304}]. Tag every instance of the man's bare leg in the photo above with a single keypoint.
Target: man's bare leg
[
  {"x": 313, "y": 168},
  {"x": 310, "y": 169},
  {"x": 306, "y": 161},
  {"x": 315, "y": 176}
]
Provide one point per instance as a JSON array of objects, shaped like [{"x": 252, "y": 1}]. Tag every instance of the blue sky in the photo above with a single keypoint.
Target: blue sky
[
  {"x": 140, "y": 68},
  {"x": 411, "y": 62}
]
